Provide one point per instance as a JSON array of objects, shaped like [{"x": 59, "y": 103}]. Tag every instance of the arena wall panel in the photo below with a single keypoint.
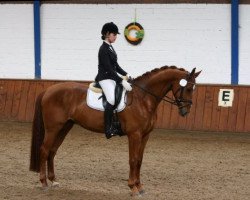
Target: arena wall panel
[
  {"x": 17, "y": 101},
  {"x": 206, "y": 115}
]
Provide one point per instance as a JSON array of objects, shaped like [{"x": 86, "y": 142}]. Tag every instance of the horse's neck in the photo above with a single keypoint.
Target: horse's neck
[{"x": 158, "y": 85}]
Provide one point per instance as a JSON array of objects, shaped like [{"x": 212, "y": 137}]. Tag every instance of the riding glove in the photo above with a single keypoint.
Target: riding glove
[
  {"x": 127, "y": 77},
  {"x": 126, "y": 85}
]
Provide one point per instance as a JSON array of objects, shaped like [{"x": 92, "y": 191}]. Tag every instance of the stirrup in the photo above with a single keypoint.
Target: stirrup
[
  {"x": 111, "y": 132},
  {"x": 108, "y": 136}
]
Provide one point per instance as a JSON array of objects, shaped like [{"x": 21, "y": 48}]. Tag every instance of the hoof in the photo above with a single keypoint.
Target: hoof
[
  {"x": 140, "y": 189},
  {"x": 142, "y": 192},
  {"x": 135, "y": 192},
  {"x": 55, "y": 184},
  {"x": 44, "y": 188},
  {"x": 44, "y": 185}
]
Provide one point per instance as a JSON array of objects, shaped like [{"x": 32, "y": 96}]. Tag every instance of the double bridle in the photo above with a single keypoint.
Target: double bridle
[
  {"x": 179, "y": 101},
  {"x": 176, "y": 101}
]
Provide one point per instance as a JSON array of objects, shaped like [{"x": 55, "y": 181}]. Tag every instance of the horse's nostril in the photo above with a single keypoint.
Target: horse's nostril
[{"x": 183, "y": 112}]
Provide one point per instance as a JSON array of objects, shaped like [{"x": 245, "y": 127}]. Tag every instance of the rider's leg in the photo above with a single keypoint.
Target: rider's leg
[
  {"x": 108, "y": 87},
  {"x": 109, "y": 128}
]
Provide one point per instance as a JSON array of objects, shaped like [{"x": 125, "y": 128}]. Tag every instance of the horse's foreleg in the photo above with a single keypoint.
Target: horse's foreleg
[
  {"x": 59, "y": 140},
  {"x": 141, "y": 151},
  {"x": 135, "y": 141}
]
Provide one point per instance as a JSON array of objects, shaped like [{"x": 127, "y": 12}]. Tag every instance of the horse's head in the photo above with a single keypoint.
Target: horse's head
[{"x": 182, "y": 89}]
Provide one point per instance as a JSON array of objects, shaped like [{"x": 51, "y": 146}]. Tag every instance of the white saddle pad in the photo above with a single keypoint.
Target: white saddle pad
[{"x": 94, "y": 102}]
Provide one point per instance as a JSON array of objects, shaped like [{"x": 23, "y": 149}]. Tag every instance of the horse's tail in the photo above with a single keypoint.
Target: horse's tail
[{"x": 37, "y": 135}]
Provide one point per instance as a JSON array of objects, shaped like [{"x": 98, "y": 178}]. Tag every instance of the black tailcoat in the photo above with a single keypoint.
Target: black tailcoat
[{"x": 107, "y": 64}]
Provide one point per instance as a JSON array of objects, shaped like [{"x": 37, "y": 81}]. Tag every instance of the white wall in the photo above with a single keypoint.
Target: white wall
[
  {"x": 244, "y": 45},
  {"x": 16, "y": 41},
  {"x": 185, "y": 35}
]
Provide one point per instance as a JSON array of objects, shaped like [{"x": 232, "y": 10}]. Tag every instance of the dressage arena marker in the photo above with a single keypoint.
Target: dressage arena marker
[{"x": 226, "y": 97}]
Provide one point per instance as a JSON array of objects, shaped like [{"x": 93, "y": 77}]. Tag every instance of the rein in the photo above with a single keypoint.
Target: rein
[
  {"x": 176, "y": 102},
  {"x": 165, "y": 98}
]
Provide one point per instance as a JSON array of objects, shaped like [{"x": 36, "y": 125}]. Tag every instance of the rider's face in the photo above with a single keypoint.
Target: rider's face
[{"x": 112, "y": 37}]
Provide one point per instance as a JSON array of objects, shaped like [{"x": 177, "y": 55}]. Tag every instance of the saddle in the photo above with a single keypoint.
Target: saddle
[
  {"x": 119, "y": 93},
  {"x": 118, "y": 106}
]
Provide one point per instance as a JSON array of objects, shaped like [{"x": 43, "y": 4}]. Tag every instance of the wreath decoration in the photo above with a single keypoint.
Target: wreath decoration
[{"x": 139, "y": 33}]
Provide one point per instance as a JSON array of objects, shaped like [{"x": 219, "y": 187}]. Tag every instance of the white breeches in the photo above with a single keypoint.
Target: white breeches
[{"x": 108, "y": 87}]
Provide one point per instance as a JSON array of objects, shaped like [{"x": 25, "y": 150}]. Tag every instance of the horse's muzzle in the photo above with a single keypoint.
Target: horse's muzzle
[
  {"x": 183, "y": 111},
  {"x": 184, "y": 106}
]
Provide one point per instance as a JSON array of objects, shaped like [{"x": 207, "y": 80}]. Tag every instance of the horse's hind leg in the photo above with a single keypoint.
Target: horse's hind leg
[
  {"x": 58, "y": 141},
  {"x": 49, "y": 140}
]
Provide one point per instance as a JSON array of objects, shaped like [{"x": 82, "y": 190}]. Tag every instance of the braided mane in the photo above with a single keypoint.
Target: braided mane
[{"x": 149, "y": 73}]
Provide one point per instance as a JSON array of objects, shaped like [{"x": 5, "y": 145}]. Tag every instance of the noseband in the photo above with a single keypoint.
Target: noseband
[{"x": 180, "y": 101}]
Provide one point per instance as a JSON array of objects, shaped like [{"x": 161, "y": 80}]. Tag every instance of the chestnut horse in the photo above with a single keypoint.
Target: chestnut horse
[{"x": 63, "y": 105}]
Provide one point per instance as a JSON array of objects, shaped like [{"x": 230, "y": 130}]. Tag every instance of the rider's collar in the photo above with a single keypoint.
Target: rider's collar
[{"x": 107, "y": 42}]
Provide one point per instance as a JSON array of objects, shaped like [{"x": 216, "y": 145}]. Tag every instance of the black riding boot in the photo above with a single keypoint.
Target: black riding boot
[{"x": 110, "y": 130}]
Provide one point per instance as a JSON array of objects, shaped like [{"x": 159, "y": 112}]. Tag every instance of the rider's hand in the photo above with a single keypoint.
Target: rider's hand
[
  {"x": 126, "y": 85},
  {"x": 127, "y": 77}
]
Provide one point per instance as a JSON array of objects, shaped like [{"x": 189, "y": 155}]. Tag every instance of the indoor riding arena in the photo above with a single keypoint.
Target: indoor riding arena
[{"x": 195, "y": 128}]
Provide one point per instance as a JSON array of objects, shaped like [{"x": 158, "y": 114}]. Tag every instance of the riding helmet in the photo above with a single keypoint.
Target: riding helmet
[{"x": 109, "y": 27}]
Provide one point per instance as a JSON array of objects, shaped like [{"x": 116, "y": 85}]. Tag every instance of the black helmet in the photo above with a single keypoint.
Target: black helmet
[{"x": 109, "y": 27}]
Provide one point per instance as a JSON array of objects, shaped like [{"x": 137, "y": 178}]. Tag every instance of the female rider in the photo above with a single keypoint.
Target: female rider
[{"x": 107, "y": 75}]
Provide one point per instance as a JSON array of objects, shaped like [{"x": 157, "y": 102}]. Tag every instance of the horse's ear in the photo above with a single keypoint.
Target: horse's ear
[
  {"x": 192, "y": 72},
  {"x": 197, "y": 74}
]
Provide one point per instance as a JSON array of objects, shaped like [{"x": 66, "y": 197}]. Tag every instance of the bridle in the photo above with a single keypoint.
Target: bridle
[{"x": 180, "y": 101}]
